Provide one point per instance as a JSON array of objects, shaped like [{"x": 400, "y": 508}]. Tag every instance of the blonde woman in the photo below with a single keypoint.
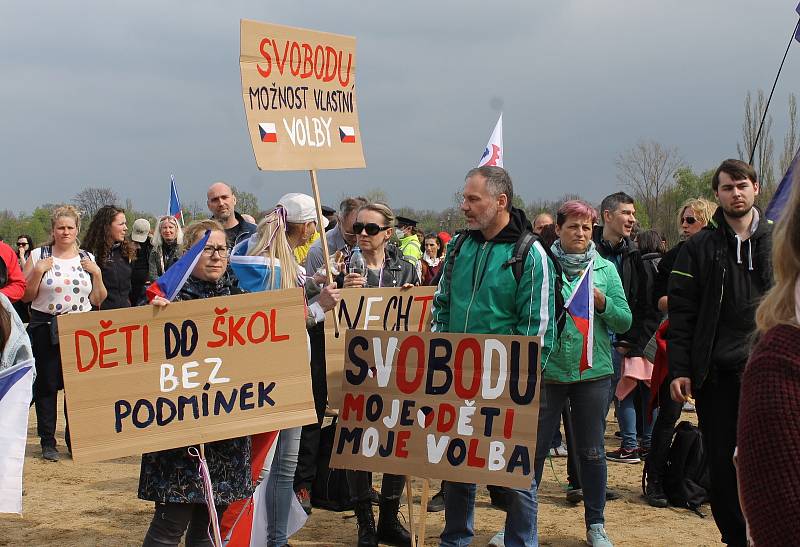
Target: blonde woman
[
  {"x": 769, "y": 411},
  {"x": 60, "y": 279},
  {"x": 289, "y": 226},
  {"x": 167, "y": 241}
]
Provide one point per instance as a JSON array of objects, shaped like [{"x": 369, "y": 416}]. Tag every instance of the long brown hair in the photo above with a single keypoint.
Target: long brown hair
[
  {"x": 96, "y": 241},
  {"x": 778, "y": 306}
]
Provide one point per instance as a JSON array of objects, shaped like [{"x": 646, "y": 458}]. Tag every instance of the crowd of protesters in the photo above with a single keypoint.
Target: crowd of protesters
[{"x": 672, "y": 329}]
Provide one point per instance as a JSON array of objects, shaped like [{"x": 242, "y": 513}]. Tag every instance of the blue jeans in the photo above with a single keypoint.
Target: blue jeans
[
  {"x": 588, "y": 402},
  {"x": 280, "y": 485},
  {"x": 459, "y": 513},
  {"x": 626, "y": 417}
]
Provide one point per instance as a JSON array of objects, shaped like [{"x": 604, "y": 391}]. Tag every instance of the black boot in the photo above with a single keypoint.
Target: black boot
[
  {"x": 655, "y": 494},
  {"x": 366, "y": 524},
  {"x": 390, "y": 531}
]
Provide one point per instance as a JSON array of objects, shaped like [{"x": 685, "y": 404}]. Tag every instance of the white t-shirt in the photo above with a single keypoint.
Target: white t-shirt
[{"x": 64, "y": 288}]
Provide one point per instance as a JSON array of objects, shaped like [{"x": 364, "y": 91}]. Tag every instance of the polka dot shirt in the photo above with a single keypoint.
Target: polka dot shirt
[{"x": 63, "y": 289}]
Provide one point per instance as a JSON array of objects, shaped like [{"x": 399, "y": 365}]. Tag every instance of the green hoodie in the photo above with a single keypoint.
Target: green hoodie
[
  {"x": 562, "y": 367},
  {"x": 481, "y": 296}
]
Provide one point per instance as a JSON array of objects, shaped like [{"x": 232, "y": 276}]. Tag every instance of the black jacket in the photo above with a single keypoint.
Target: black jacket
[
  {"x": 396, "y": 271},
  {"x": 117, "y": 272},
  {"x": 139, "y": 270},
  {"x": 714, "y": 289},
  {"x": 240, "y": 232},
  {"x": 635, "y": 285}
]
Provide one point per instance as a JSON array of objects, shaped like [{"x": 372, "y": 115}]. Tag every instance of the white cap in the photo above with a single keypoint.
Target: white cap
[
  {"x": 300, "y": 208},
  {"x": 141, "y": 230}
]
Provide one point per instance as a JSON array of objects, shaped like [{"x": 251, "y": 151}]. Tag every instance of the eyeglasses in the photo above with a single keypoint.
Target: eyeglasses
[
  {"x": 688, "y": 220},
  {"x": 372, "y": 229},
  {"x": 221, "y": 251}
]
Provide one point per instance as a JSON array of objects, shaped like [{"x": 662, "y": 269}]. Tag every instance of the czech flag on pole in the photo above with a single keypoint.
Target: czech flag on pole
[
  {"x": 174, "y": 201},
  {"x": 580, "y": 307},
  {"x": 493, "y": 154},
  {"x": 168, "y": 285}
]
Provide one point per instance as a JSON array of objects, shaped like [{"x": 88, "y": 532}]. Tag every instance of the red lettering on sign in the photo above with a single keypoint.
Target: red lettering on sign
[
  {"x": 473, "y": 460},
  {"x": 403, "y": 384},
  {"x": 401, "y": 451},
  {"x": 472, "y": 345}
]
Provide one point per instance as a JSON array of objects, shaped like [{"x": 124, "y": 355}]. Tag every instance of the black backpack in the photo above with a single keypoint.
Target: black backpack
[
  {"x": 686, "y": 481},
  {"x": 517, "y": 264}
]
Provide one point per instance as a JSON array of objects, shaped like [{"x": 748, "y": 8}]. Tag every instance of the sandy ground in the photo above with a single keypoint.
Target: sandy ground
[{"x": 95, "y": 504}]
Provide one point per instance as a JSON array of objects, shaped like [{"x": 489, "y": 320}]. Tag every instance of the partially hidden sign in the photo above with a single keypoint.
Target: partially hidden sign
[
  {"x": 392, "y": 309},
  {"x": 299, "y": 92},
  {"x": 457, "y": 407},
  {"x": 144, "y": 379}
]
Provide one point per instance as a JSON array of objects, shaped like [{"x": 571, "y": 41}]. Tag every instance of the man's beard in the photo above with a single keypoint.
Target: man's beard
[{"x": 737, "y": 213}]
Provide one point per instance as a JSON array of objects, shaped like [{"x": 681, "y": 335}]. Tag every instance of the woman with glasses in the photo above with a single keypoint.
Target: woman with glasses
[
  {"x": 105, "y": 238},
  {"x": 385, "y": 267},
  {"x": 693, "y": 216},
  {"x": 171, "y": 478},
  {"x": 24, "y": 248},
  {"x": 167, "y": 241},
  {"x": 60, "y": 279}
]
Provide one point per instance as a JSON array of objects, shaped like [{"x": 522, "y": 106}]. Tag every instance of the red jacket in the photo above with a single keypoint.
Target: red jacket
[
  {"x": 769, "y": 416},
  {"x": 15, "y": 284}
]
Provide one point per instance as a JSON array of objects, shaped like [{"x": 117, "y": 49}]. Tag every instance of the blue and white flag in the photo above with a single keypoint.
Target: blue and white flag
[
  {"x": 493, "y": 153},
  {"x": 255, "y": 273},
  {"x": 781, "y": 196},
  {"x": 174, "y": 201},
  {"x": 16, "y": 385},
  {"x": 170, "y": 283}
]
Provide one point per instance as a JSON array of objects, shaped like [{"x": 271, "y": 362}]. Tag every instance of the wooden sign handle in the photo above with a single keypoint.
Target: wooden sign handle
[
  {"x": 325, "y": 249},
  {"x": 423, "y": 517},
  {"x": 410, "y": 500}
]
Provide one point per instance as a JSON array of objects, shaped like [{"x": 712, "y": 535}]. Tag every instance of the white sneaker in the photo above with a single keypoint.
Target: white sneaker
[
  {"x": 498, "y": 540},
  {"x": 559, "y": 451},
  {"x": 688, "y": 407},
  {"x": 596, "y": 536}
]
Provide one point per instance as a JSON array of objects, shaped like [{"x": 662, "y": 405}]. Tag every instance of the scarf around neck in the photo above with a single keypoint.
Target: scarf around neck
[{"x": 573, "y": 264}]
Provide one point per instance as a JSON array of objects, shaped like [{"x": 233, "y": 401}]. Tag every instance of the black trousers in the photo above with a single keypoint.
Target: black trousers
[
  {"x": 46, "y": 414},
  {"x": 171, "y": 520},
  {"x": 308, "y": 453},
  {"x": 360, "y": 485},
  {"x": 49, "y": 381},
  {"x": 717, "y": 405},
  {"x": 669, "y": 412}
]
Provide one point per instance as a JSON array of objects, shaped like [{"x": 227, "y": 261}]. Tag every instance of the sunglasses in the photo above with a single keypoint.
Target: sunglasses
[
  {"x": 689, "y": 220},
  {"x": 372, "y": 229},
  {"x": 21, "y": 244}
]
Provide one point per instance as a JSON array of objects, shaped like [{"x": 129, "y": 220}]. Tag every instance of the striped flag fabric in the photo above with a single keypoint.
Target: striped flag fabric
[
  {"x": 168, "y": 285},
  {"x": 493, "y": 153},
  {"x": 781, "y": 196},
  {"x": 580, "y": 306},
  {"x": 174, "y": 201},
  {"x": 16, "y": 385}
]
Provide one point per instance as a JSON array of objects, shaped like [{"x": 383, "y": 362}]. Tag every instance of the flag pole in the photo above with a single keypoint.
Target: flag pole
[
  {"x": 766, "y": 108},
  {"x": 324, "y": 240}
]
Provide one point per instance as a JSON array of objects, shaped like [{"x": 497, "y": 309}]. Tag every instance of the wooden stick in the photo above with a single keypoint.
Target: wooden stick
[
  {"x": 325, "y": 250},
  {"x": 423, "y": 517},
  {"x": 214, "y": 523},
  {"x": 410, "y": 500}
]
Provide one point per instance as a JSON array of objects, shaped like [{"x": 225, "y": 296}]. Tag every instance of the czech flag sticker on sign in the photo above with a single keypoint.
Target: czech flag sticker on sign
[
  {"x": 347, "y": 133},
  {"x": 268, "y": 133}
]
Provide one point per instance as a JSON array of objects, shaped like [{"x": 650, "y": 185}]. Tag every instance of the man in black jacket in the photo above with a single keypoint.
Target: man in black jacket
[
  {"x": 715, "y": 286},
  {"x": 222, "y": 204}
]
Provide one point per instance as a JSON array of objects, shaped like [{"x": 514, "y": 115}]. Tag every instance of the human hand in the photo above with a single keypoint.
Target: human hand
[
  {"x": 43, "y": 266},
  {"x": 354, "y": 281},
  {"x": 599, "y": 300},
  {"x": 681, "y": 389},
  {"x": 329, "y": 297},
  {"x": 407, "y": 286},
  {"x": 159, "y": 302},
  {"x": 90, "y": 266}
]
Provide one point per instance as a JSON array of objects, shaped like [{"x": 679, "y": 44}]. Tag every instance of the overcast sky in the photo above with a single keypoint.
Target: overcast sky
[{"x": 121, "y": 94}]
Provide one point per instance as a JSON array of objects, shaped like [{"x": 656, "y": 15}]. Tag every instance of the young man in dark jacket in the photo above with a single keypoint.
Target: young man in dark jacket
[
  {"x": 614, "y": 243},
  {"x": 715, "y": 286}
]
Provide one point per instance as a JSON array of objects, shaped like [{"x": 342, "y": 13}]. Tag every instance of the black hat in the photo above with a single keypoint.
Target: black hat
[
  {"x": 404, "y": 221},
  {"x": 328, "y": 211}
]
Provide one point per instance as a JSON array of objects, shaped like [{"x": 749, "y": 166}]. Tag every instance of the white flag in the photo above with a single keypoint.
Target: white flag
[
  {"x": 15, "y": 397},
  {"x": 493, "y": 154}
]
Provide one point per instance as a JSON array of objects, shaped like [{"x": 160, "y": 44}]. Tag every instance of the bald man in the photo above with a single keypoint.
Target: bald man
[{"x": 222, "y": 204}]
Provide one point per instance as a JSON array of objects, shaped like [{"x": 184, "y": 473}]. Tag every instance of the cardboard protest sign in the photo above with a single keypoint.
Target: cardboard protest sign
[
  {"x": 392, "y": 309},
  {"x": 298, "y": 88},
  {"x": 147, "y": 378},
  {"x": 458, "y": 407}
]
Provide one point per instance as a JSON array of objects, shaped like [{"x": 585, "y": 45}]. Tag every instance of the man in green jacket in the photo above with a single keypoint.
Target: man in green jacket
[{"x": 478, "y": 294}]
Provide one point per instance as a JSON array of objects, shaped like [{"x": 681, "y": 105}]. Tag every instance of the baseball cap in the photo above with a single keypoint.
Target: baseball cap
[
  {"x": 141, "y": 230},
  {"x": 300, "y": 208}
]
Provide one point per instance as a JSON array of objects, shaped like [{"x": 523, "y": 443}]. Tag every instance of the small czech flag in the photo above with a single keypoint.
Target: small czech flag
[
  {"x": 168, "y": 285},
  {"x": 174, "y": 201},
  {"x": 347, "y": 133},
  {"x": 268, "y": 132},
  {"x": 580, "y": 307}
]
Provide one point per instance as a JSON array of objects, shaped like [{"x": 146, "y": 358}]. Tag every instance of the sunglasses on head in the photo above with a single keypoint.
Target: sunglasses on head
[
  {"x": 689, "y": 220},
  {"x": 372, "y": 229}
]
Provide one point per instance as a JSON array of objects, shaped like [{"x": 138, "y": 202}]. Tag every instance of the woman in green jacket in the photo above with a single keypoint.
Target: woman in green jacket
[{"x": 561, "y": 376}]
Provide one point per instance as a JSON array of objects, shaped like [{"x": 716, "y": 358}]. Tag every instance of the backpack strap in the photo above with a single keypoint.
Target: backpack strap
[
  {"x": 46, "y": 251},
  {"x": 521, "y": 249},
  {"x": 450, "y": 258},
  {"x": 83, "y": 254}
]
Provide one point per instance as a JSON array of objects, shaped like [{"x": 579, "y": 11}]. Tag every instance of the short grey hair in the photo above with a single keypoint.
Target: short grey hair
[{"x": 497, "y": 181}]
